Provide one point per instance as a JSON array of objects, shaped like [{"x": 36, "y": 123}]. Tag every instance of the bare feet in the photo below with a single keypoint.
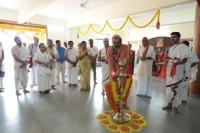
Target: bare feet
[
  {"x": 47, "y": 91},
  {"x": 74, "y": 85},
  {"x": 1, "y": 90},
  {"x": 53, "y": 87},
  {"x": 168, "y": 107},
  {"x": 40, "y": 92},
  {"x": 17, "y": 93},
  {"x": 176, "y": 110},
  {"x": 184, "y": 102},
  {"x": 103, "y": 93},
  {"x": 26, "y": 91}
]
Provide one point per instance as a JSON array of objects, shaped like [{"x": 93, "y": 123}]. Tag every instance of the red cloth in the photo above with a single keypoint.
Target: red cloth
[
  {"x": 173, "y": 70},
  {"x": 113, "y": 59},
  {"x": 130, "y": 64},
  {"x": 163, "y": 68}
]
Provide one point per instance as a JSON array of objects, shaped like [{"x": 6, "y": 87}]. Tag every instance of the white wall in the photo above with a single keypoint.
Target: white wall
[
  {"x": 8, "y": 14},
  {"x": 73, "y": 35},
  {"x": 186, "y": 30},
  {"x": 56, "y": 27}
]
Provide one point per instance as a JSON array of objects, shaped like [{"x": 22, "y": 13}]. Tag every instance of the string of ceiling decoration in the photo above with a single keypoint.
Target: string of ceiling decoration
[{"x": 128, "y": 19}]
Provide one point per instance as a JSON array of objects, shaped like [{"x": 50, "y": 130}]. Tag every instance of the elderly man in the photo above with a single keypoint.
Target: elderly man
[
  {"x": 118, "y": 52},
  {"x": 145, "y": 55},
  {"x": 104, "y": 64},
  {"x": 32, "y": 49},
  {"x": 51, "y": 50},
  {"x": 20, "y": 55},
  {"x": 177, "y": 58}
]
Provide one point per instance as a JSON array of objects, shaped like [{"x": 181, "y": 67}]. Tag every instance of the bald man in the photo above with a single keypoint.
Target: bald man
[
  {"x": 118, "y": 52},
  {"x": 145, "y": 55},
  {"x": 104, "y": 64}
]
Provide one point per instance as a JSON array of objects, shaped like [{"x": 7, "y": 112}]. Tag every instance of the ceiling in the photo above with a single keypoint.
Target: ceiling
[{"x": 94, "y": 10}]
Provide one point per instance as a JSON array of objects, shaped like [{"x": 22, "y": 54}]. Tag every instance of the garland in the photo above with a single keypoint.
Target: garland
[
  {"x": 128, "y": 19},
  {"x": 112, "y": 93}
]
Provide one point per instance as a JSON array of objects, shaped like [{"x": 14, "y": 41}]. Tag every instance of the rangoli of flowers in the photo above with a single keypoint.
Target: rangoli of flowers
[{"x": 136, "y": 124}]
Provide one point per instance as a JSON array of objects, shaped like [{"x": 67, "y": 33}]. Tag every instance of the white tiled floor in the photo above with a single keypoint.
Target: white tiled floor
[{"x": 68, "y": 110}]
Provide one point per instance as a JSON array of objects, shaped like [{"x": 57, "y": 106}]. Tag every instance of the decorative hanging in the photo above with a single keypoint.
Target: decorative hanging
[{"x": 128, "y": 19}]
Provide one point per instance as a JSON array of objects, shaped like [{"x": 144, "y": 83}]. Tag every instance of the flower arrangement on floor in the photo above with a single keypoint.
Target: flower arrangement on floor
[{"x": 136, "y": 124}]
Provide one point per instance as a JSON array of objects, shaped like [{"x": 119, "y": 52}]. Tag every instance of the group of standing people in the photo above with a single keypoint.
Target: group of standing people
[
  {"x": 48, "y": 62},
  {"x": 181, "y": 68}
]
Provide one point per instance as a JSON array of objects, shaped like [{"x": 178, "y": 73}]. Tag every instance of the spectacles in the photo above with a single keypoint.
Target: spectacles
[{"x": 116, "y": 42}]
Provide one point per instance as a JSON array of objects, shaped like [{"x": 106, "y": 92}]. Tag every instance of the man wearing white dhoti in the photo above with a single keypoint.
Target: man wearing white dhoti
[
  {"x": 60, "y": 62},
  {"x": 32, "y": 48},
  {"x": 43, "y": 60},
  {"x": 104, "y": 65},
  {"x": 177, "y": 57},
  {"x": 51, "y": 50},
  {"x": 190, "y": 68},
  {"x": 145, "y": 55},
  {"x": 94, "y": 52},
  {"x": 70, "y": 55},
  {"x": 20, "y": 55}
]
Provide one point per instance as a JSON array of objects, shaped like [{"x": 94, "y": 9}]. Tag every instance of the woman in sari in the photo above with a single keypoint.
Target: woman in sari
[
  {"x": 44, "y": 69},
  {"x": 84, "y": 57}
]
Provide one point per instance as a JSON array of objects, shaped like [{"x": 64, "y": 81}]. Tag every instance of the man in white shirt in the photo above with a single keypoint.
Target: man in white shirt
[
  {"x": 105, "y": 67},
  {"x": 190, "y": 68},
  {"x": 145, "y": 55},
  {"x": 51, "y": 50},
  {"x": 20, "y": 56},
  {"x": 70, "y": 55},
  {"x": 177, "y": 58},
  {"x": 32, "y": 49},
  {"x": 94, "y": 51}
]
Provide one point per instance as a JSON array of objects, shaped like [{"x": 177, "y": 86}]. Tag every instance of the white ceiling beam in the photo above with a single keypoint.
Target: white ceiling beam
[{"x": 31, "y": 8}]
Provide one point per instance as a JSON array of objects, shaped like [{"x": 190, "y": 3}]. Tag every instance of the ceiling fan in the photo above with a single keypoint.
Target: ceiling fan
[{"x": 84, "y": 4}]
